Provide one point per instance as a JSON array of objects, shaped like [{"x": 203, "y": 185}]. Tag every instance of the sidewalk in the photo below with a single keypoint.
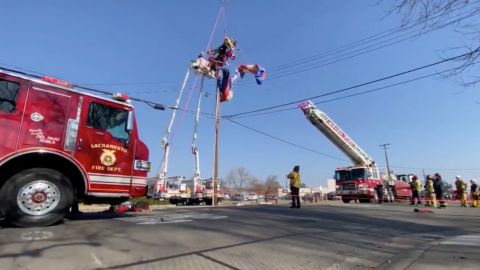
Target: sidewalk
[{"x": 458, "y": 252}]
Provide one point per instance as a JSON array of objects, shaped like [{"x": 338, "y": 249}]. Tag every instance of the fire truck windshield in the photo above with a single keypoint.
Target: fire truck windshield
[
  {"x": 358, "y": 174},
  {"x": 342, "y": 175},
  {"x": 353, "y": 174}
]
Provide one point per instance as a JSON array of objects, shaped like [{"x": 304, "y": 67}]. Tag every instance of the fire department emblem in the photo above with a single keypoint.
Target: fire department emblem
[{"x": 108, "y": 157}]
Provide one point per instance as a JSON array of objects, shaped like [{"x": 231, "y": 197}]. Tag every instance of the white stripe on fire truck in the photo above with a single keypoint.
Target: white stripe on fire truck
[{"x": 117, "y": 180}]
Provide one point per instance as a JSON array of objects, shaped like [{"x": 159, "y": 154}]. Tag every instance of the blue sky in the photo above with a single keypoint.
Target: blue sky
[{"x": 144, "y": 47}]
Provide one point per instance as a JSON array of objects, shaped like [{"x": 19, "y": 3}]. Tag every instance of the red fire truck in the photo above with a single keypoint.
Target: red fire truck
[
  {"x": 356, "y": 182},
  {"x": 59, "y": 145}
]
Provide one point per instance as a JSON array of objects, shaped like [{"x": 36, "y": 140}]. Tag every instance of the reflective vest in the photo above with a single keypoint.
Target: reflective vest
[
  {"x": 461, "y": 186},
  {"x": 294, "y": 179},
  {"x": 429, "y": 186},
  {"x": 416, "y": 185}
]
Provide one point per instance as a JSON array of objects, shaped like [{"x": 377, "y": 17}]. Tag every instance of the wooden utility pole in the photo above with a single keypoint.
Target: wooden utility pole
[
  {"x": 386, "y": 158},
  {"x": 215, "y": 157}
]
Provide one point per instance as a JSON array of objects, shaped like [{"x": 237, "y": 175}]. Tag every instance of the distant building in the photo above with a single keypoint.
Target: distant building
[{"x": 331, "y": 186}]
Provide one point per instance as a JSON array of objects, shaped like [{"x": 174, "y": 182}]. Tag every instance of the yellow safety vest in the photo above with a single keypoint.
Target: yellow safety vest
[{"x": 294, "y": 179}]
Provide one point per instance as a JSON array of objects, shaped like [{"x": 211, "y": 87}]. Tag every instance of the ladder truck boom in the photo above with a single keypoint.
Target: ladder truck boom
[{"x": 337, "y": 136}]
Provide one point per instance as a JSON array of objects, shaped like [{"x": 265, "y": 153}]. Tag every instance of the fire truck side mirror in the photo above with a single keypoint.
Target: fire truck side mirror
[{"x": 130, "y": 121}]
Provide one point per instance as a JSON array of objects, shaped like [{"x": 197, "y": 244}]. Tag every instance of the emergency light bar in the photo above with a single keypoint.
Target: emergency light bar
[
  {"x": 121, "y": 97},
  {"x": 56, "y": 81}
]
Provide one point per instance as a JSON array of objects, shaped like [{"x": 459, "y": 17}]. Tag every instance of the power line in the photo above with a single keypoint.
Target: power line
[
  {"x": 368, "y": 39},
  {"x": 337, "y": 158},
  {"x": 357, "y": 94},
  {"x": 358, "y": 85},
  {"x": 437, "y": 169},
  {"x": 347, "y": 56},
  {"x": 284, "y": 141}
]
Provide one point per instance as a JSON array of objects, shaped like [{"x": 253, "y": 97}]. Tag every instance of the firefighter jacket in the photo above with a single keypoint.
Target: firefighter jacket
[
  {"x": 416, "y": 185},
  {"x": 294, "y": 179},
  {"x": 429, "y": 186},
  {"x": 474, "y": 189},
  {"x": 461, "y": 186}
]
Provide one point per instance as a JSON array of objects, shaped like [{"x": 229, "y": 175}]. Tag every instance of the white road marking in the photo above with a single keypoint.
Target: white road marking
[
  {"x": 168, "y": 219},
  {"x": 96, "y": 259},
  {"x": 463, "y": 240},
  {"x": 355, "y": 205},
  {"x": 37, "y": 235}
]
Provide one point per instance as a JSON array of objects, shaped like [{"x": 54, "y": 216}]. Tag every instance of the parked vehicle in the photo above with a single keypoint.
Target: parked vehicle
[{"x": 333, "y": 196}]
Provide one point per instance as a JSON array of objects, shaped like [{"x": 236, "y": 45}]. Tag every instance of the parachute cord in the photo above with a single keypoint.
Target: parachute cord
[{"x": 214, "y": 29}]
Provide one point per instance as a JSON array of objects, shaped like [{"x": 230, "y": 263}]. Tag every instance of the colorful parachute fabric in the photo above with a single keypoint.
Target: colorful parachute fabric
[
  {"x": 260, "y": 72},
  {"x": 224, "y": 85}
]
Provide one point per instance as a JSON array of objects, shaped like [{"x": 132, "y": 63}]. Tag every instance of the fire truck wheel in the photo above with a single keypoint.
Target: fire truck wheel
[
  {"x": 346, "y": 200},
  {"x": 36, "y": 197}
]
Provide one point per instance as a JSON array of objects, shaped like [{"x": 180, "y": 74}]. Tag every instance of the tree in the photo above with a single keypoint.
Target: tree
[
  {"x": 272, "y": 185},
  {"x": 436, "y": 14},
  {"x": 238, "y": 178},
  {"x": 256, "y": 186}
]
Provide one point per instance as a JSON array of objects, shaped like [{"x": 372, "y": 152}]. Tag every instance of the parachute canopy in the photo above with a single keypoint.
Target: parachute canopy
[{"x": 259, "y": 72}]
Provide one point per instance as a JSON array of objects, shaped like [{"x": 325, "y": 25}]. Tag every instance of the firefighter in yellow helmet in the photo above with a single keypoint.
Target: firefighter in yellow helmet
[
  {"x": 430, "y": 192},
  {"x": 416, "y": 187},
  {"x": 474, "y": 194},
  {"x": 461, "y": 190}
]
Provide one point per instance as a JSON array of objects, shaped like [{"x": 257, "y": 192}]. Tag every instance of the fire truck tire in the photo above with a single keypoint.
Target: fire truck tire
[
  {"x": 346, "y": 200},
  {"x": 36, "y": 197}
]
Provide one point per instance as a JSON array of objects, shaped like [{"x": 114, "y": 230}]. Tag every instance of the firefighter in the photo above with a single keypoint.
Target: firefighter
[
  {"x": 380, "y": 192},
  {"x": 438, "y": 186},
  {"x": 461, "y": 190},
  {"x": 416, "y": 187},
  {"x": 295, "y": 181},
  {"x": 474, "y": 194},
  {"x": 429, "y": 192}
]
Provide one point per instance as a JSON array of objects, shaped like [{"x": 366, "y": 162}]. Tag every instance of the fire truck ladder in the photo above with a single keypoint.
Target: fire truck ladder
[
  {"x": 333, "y": 132},
  {"x": 163, "y": 169}
]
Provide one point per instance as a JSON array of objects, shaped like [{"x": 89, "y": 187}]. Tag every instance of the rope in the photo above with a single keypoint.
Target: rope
[{"x": 187, "y": 103}]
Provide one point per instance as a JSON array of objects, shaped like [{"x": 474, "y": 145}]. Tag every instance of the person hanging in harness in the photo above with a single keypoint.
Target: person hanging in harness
[
  {"x": 212, "y": 63},
  {"x": 219, "y": 57}
]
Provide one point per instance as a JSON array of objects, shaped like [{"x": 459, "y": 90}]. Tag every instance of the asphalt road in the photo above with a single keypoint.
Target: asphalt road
[{"x": 318, "y": 236}]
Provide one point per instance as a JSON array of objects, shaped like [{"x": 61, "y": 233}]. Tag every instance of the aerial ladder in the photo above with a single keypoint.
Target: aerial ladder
[
  {"x": 157, "y": 187},
  {"x": 195, "y": 186},
  {"x": 337, "y": 136},
  {"x": 357, "y": 182}
]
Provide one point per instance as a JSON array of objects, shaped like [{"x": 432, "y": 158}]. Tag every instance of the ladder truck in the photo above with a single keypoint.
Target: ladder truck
[{"x": 355, "y": 182}]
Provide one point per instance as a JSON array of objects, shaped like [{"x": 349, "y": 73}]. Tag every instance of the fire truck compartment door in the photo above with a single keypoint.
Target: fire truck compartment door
[{"x": 44, "y": 119}]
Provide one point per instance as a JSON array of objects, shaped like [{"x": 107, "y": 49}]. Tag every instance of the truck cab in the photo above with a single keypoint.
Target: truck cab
[
  {"x": 357, "y": 183},
  {"x": 59, "y": 145}
]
